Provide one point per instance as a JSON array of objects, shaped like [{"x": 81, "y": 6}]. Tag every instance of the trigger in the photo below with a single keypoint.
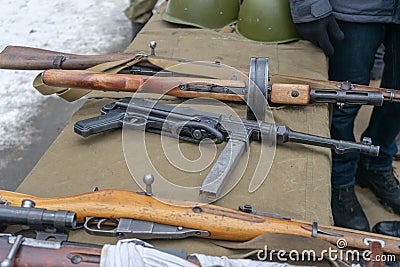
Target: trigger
[
  {"x": 100, "y": 222},
  {"x": 112, "y": 221}
]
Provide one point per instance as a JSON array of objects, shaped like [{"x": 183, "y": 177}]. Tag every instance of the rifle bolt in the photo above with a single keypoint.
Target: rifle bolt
[
  {"x": 148, "y": 179},
  {"x": 153, "y": 45}
]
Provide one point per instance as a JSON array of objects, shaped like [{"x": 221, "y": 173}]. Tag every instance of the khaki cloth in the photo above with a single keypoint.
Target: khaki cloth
[
  {"x": 140, "y": 11},
  {"x": 298, "y": 185}
]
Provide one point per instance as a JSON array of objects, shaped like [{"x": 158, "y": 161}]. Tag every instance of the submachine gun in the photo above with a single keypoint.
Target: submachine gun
[{"x": 194, "y": 126}]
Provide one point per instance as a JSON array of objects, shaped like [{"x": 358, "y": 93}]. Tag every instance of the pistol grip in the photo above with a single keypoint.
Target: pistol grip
[{"x": 113, "y": 119}]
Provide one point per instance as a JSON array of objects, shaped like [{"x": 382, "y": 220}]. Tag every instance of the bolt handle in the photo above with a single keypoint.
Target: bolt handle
[{"x": 148, "y": 179}]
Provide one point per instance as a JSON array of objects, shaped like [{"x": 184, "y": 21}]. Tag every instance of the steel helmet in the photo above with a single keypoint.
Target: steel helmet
[
  {"x": 208, "y": 14},
  {"x": 266, "y": 21}
]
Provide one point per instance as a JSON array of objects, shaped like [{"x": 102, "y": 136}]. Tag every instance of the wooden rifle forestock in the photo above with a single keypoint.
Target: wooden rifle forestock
[
  {"x": 388, "y": 94},
  {"x": 222, "y": 223}
]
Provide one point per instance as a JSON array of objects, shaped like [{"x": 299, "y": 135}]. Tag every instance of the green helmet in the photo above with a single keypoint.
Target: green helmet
[
  {"x": 266, "y": 21},
  {"x": 208, "y": 14}
]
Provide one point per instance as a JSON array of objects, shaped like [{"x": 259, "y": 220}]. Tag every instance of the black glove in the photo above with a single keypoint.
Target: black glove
[{"x": 320, "y": 32}]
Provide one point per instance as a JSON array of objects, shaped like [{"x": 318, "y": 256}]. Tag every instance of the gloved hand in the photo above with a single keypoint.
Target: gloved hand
[{"x": 320, "y": 32}]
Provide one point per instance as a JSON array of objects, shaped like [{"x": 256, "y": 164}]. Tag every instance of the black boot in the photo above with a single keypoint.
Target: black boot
[
  {"x": 391, "y": 228},
  {"x": 136, "y": 28},
  {"x": 347, "y": 211},
  {"x": 383, "y": 184}
]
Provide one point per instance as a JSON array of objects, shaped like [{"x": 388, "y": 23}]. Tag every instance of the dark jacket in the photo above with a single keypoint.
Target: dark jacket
[{"x": 364, "y": 11}]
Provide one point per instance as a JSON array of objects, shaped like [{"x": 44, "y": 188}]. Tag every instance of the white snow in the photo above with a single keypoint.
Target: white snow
[{"x": 74, "y": 26}]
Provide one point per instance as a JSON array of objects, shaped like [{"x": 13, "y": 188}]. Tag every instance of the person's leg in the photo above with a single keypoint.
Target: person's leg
[
  {"x": 377, "y": 69},
  {"x": 397, "y": 156},
  {"x": 352, "y": 61},
  {"x": 384, "y": 126},
  {"x": 139, "y": 12}
]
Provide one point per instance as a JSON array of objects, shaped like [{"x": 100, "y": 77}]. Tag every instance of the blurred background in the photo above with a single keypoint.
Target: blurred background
[{"x": 29, "y": 122}]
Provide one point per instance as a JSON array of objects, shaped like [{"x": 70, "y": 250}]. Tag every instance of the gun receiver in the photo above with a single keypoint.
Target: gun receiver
[
  {"x": 193, "y": 125},
  {"x": 221, "y": 223}
]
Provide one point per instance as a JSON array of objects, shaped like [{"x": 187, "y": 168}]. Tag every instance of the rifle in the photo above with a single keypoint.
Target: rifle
[
  {"x": 27, "y": 58},
  {"x": 218, "y": 222},
  {"x": 21, "y": 251},
  {"x": 194, "y": 126}
]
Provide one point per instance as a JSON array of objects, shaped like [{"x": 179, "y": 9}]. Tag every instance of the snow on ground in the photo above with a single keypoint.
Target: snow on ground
[{"x": 74, "y": 26}]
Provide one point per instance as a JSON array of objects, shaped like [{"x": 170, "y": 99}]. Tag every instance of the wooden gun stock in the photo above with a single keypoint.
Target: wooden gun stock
[
  {"x": 132, "y": 83},
  {"x": 89, "y": 255},
  {"x": 67, "y": 254},
  {"x": 222, "y": 223}
]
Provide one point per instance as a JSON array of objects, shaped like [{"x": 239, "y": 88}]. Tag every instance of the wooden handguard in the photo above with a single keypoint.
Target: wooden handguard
[
  {"x": 388, "y": 94},
  {"x": 141, "y": 83},
  {"x": 222, "y": 223},
  {"x": 290, "y": 94}
]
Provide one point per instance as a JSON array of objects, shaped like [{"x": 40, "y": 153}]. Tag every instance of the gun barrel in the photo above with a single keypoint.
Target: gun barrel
[
  {"x": 37, "y": 217},
  {"x": 285, "y": 134},
  {"x": 353, "y": 97}
]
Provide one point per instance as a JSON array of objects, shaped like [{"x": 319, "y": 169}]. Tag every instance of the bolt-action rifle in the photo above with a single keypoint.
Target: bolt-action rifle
[
  {"x": 195, "y": 125},
  {"x": 208, "y": 220},
  {"x": 27, "y": 58}
]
